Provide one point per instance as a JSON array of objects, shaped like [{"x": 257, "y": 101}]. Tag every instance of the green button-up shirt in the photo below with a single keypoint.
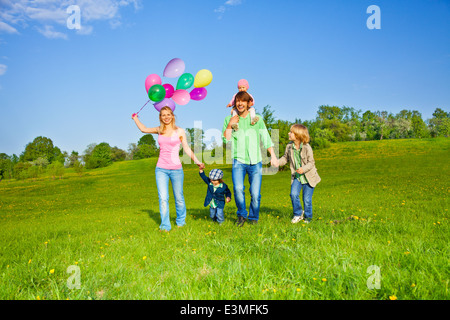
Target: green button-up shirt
[
  {"x": 245, "y": 142},
  {"x": 298, "y": 164}
]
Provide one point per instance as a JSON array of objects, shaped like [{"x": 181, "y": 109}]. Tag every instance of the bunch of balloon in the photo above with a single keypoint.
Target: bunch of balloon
[{"x": 166, "y": 95}]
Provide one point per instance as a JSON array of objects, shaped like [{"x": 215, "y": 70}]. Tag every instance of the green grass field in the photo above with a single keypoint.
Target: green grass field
[{"x": 380, "y": 203}]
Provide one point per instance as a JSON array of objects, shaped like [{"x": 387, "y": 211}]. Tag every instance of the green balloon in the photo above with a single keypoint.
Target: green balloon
[
  {"x": 185, "y": 81},
  {"x": 156, "y": 93}
]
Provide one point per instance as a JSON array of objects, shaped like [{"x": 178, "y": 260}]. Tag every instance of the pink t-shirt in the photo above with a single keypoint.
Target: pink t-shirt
[{"x": 169, "y": 148}]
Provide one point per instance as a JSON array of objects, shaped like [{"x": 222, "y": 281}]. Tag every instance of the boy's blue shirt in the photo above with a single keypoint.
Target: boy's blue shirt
[{"x": 219, "y": 196}]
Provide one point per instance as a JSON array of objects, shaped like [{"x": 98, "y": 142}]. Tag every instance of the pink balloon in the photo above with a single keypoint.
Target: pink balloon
[
  {"x": 198, "y": 94},
  {"x": 152, "y": 80},
  {"x": 166, "y": 102},
  {"x": 174, "y": 68},
  {"x": 181, "y": 97},
  {"x": 169, "y": 89}
]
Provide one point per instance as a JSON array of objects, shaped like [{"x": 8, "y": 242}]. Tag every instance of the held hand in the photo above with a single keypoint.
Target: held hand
[
  {"x": 134, "y": 116},
  {"x": 274, "y": 162},
  {"x": 201, "y": 166},
  {"x": 228, "y": 199},
  {"x": 299, "y": 171}
]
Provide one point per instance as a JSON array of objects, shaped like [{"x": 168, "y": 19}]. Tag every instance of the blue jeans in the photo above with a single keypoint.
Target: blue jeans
[
  {"x": 162, "y": 183},
  {"x": 254, "y": 172},
  {"x": 296, "y": 188},
  {"x": 216, "y": 214}
]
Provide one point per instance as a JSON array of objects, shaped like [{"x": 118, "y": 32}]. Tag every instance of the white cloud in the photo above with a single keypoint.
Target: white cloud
[
  {"x": 221, "y": 10},
  {"x": 48, "y": 14},
  {"x": 233, "y": 2},
  {"x": 85, "y": 30},
  {"x": 49, "y": 32},
  {"x": 3, "y": 69},
  {"x": 4, "y": 27}
]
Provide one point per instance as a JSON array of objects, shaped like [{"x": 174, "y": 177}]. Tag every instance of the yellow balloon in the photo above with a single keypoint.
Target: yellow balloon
[{"x": 202, "y": 78}]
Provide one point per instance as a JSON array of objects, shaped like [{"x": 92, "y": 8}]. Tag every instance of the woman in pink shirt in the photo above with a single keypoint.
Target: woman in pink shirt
[{"x": 169, "y": 165}]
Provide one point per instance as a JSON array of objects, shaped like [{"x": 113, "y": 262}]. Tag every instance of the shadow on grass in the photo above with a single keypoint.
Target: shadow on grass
[
  {"x": 155, "y": 215},
  {"x": 230, "y": 213}
]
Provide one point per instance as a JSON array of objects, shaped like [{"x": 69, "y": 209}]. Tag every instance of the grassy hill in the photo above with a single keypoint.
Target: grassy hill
[{"x": 380, "y": 203}]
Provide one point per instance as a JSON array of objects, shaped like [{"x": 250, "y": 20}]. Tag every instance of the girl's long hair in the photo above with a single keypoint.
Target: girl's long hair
[{"x": 162, "y": 126}]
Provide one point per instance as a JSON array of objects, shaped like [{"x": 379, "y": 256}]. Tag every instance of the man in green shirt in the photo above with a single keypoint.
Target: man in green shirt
[{"x": 246, "y": 155}]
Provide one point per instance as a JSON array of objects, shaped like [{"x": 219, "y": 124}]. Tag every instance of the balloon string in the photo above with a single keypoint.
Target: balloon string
[{"x": 143, "y": 107}]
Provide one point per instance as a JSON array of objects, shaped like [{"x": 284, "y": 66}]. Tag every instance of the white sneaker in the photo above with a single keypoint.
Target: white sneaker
[{"x": 297, "y": 219}]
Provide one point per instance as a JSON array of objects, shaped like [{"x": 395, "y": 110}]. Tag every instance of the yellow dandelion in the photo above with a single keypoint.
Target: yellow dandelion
[
  {"x": 413, "y": 285},
  {"x": 407, "y": 252},
  {"x": 298, "y": 289},
  {"x": 29, "y": 261},
  {"x": 324, "y": 279},
  {"x": 38, "y": 298},
  {"x": 144, "y": 257},
  {"x": 52, "y": 271},
  {"x": 314, "y": 279},
  {"x": 392, "y": 297}
]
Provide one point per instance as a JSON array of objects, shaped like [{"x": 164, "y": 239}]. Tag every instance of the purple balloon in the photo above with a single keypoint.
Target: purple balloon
[
  {"x": 174, "y": 68},
  {"x": 198, "y": 94},
  {"x": 169, "y": 90},
  {"x": 166, "y": 102}
]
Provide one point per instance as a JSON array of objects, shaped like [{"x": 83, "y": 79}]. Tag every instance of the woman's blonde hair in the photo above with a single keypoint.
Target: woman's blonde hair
[
  {"x": 301, "y": 133},
  {"x": 162, "y": 126}
]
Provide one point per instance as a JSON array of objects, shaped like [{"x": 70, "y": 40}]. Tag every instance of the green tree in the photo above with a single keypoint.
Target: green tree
[
  {"x": 117, "y": 154},
  {"x": 439, "y": 125},
  {"x": 330, "y": 113},
  {"x": 78, "y": 167},
  {"x": 42, "y": 147},
  {"x": 100, "y": 157},
  {"x": 144, "y": 151},
  {"x": 88, "y": 152},
  {"x": 5, "y": 163},
  {"x": 371, "y": 125},
  {"x": 147, "y": 139},
  {"x": 21, "y": 170},
  {"x": 268, "y": 117},
  {"x": 419, "y": 128},
  {"x": 74, "y": 156},
  {"x": 56, "y": 169},
  {"x": 146, "y": 148}
]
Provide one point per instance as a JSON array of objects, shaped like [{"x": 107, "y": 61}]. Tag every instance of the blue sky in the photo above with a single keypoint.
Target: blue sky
[{"x": 79, "y": 87}]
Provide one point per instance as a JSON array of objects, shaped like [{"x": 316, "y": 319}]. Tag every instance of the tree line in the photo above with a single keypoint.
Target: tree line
[
  {"x": 332, "y": 124},
  {"x": 339, "y": 124}
]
